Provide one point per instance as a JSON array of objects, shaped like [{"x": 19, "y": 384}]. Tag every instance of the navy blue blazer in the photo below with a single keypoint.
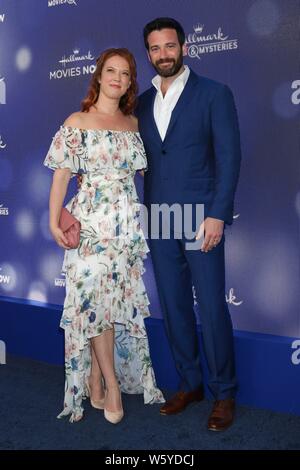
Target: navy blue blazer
[{"x": 199, "y": 159}]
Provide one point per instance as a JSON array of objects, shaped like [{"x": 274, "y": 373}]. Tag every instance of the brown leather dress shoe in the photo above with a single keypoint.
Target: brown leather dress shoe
[
  {"x": 180, "y": 401},
  {"x": 221, "y": 416}
]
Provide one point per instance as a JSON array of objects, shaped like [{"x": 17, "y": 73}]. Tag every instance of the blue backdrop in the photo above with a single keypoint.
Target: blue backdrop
[{"x": 47, "y": 53}]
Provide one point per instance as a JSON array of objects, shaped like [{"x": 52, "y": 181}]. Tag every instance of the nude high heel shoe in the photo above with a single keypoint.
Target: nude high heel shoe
[
  {"x": 98, "y": 404},
  {"x": 113, "y": 417}
]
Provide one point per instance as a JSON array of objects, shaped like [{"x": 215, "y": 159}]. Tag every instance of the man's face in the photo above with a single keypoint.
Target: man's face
[{"x": 165, "y": 52}]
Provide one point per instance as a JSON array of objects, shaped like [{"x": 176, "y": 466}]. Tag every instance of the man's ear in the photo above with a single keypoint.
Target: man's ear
[{"x": 184, "y": 49}]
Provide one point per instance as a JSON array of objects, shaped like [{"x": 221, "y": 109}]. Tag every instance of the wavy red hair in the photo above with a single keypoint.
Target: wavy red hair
[{"x": 128, "y": 101}]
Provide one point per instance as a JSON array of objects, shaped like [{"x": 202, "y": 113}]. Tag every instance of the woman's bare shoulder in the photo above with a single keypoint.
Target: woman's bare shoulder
[
  {"x": 134, "y": 123},
  {"x": 75, "y": 119}
]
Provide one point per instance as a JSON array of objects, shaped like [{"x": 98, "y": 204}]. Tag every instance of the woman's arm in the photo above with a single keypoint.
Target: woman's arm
[{"x": 58, "y": 191}]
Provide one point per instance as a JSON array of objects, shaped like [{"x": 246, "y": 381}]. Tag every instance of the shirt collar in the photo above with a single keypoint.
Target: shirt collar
[{"x": 182, "y": 78}]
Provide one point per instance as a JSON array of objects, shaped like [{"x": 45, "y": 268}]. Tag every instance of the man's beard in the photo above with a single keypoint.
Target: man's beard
[{"x": 169, "y": 71}]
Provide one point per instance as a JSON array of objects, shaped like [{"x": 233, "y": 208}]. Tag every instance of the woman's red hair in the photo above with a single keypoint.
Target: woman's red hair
[{"x": 128, "y": 101}]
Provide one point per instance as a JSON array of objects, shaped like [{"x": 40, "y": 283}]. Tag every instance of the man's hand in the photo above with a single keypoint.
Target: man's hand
[{"x": 213, "y": 231}]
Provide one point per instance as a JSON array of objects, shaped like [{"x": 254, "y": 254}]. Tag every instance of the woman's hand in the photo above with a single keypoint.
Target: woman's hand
[
  {"x": 58, "y": 191},
  {"x": 59, "y": 237}
]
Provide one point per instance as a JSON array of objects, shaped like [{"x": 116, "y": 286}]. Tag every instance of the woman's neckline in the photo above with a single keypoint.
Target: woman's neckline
[{"x": 99, "y": 130}]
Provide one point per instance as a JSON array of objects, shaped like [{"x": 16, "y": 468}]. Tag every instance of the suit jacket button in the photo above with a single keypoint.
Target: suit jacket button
[{"x": 164, "y": 152}]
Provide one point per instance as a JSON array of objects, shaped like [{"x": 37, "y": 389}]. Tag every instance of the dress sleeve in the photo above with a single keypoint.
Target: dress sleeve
[
  {"x": 67, "y": 150},
  {"x": 139, "y": 158}
]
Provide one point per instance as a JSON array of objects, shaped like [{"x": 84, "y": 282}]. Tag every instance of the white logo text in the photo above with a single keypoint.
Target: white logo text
[
  {"x": 54, "y": 3},
  {"x": 296, "y": 94},
  {"x": 295, "y": 358},
  {"x": 2, "y": 144},
  {"x": 4, "y": 279},
  {"x": 198, "y": 43},
  {"x": 3, "y": 210},
  {"x": 231, "y": 298},
  {"x": 2, "y": 91},
  {"x": 2, "y": 352}
]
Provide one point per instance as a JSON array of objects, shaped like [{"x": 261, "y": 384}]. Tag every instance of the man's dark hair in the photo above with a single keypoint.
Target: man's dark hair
[{"x": 161, "y": 23}]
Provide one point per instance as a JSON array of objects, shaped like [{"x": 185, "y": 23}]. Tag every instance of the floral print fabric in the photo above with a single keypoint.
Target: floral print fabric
[{"x": 104, "y": 286}]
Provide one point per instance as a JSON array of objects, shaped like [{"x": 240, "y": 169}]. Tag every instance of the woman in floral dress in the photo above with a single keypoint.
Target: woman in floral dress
[{"x": 106, "y": 345}]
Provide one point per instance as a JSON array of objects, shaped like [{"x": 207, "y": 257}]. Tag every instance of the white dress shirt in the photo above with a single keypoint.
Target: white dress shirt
[{"x": 164, "y": 105}]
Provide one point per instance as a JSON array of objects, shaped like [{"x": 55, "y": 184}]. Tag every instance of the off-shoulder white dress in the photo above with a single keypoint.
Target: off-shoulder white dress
[{"x": 104, "y": 285}]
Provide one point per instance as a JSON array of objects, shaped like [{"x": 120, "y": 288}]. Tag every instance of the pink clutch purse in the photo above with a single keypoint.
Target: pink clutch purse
[{"x": 70, "y": 226}]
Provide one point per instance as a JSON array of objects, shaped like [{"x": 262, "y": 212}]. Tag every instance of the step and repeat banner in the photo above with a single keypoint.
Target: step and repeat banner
[{"x": 48, "y": 50}]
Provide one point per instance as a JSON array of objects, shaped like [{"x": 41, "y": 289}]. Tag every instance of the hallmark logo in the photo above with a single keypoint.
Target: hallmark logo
[
  {"x": 295, "y": 98},
  {"x": 194, "y": 295},
  {"x": 2, "y": 352},
  {"x": 199, "y": 28},
  {"x": 60, "y": 282},
  {"x": 2, "y": 144},
  {"x": 198, "y": 43},
  {"x": 295, "y": 358},
  {"x": 75, "y": 57},
  {"x": 231, "y": 298},
  {"x": 69, "y": 72},
  {"x": 4, "y": 279},
  {"x": 3, "y": 210},
  {"x": 55, "y": 3},
  {"x": 2, "y": 91},
  {"x": 2, "y": 17}
]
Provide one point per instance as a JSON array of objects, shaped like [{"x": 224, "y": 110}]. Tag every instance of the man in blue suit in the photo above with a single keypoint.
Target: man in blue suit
[{"x": 190, "y": 131}]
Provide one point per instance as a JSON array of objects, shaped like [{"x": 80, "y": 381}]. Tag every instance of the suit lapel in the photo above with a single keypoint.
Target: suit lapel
[
  {"x": 154, "y": 91},
  {"x": 185, "y": 97}
]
